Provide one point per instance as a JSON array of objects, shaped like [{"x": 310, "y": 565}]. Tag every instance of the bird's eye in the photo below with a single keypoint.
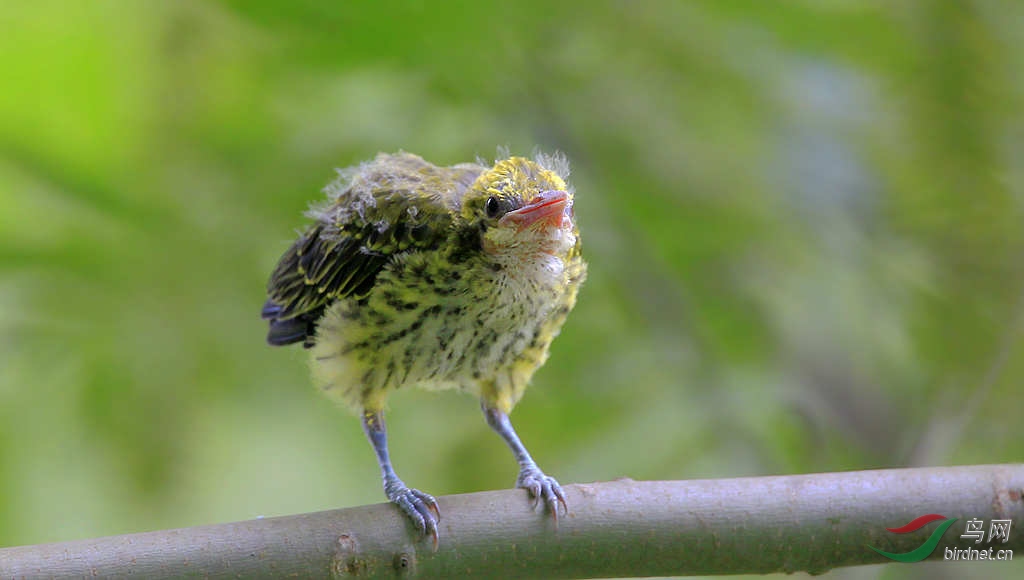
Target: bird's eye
[{"x": 493, "y": 207}]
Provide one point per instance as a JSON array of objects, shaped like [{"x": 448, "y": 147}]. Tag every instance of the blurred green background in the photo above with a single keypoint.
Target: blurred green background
[{"x": 803, "y": 222}]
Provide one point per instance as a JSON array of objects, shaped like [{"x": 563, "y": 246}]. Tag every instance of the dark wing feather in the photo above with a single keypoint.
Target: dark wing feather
[{"x": 330, "y": 262}]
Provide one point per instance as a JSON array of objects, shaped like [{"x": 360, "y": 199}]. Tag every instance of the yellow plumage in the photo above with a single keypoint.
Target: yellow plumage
[{"x": 437, "y": 277}]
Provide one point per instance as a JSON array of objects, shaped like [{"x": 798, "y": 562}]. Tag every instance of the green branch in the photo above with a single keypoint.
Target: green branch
[{"x": 621, "y": 528}]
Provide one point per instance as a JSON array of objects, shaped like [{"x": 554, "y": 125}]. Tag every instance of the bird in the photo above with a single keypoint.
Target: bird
[{"x": 418, "y": 275}]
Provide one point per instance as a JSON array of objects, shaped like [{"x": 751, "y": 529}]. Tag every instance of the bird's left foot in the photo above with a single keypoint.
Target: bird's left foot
[{"x": 543, "y": 488}]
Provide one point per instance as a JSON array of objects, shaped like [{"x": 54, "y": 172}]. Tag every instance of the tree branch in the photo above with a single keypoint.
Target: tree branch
[{"x": 621, "y": 528}]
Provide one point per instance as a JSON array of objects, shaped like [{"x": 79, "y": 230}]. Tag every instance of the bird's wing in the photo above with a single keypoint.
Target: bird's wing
[{"x": 341, "y": 255}]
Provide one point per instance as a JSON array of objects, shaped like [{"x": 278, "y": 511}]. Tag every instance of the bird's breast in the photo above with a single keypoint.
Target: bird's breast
[{"x": 432, "y": 325}]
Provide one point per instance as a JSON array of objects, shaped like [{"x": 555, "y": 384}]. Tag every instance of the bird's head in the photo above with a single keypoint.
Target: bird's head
[{"x": 522, "y": 210}]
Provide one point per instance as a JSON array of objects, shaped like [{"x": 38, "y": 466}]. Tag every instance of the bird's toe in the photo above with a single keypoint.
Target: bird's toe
[
  {"x": 422, "y": 509},
  {"x": 543, "y": 488}
]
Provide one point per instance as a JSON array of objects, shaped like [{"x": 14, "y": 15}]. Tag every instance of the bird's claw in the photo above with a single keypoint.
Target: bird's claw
[
  {"x": 421, "y": 508},
  {"x": 544, "y": 488}
]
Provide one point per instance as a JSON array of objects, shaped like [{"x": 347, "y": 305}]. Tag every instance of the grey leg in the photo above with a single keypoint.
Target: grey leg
[
  {"x": 420, "y": 507},
  {"x": 531, "y": 478}
]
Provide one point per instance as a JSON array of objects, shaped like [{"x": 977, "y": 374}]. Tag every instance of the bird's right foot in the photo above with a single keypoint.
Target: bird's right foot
[
  {"x": 420, "y": 507},
  {"x": 543, "y": 488}
]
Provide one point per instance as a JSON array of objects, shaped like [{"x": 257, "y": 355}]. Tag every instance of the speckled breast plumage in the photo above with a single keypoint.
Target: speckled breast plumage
[{"x": 435, "y": 324}]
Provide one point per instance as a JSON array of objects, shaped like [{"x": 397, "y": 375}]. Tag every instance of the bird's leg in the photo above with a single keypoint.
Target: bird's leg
[
  {"x": 531, "y": 478},
  {"x": 420, "y": 507}
]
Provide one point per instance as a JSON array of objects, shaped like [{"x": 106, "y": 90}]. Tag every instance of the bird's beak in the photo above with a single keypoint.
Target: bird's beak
[{"x": 547, "y": 209}]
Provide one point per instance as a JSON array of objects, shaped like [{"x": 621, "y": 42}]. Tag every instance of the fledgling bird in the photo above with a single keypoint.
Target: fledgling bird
[{"x": 440, "y": 277}]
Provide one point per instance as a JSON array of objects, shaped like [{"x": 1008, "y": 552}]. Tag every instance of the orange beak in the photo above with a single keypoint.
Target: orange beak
[{"x": 547, "y": 209}]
